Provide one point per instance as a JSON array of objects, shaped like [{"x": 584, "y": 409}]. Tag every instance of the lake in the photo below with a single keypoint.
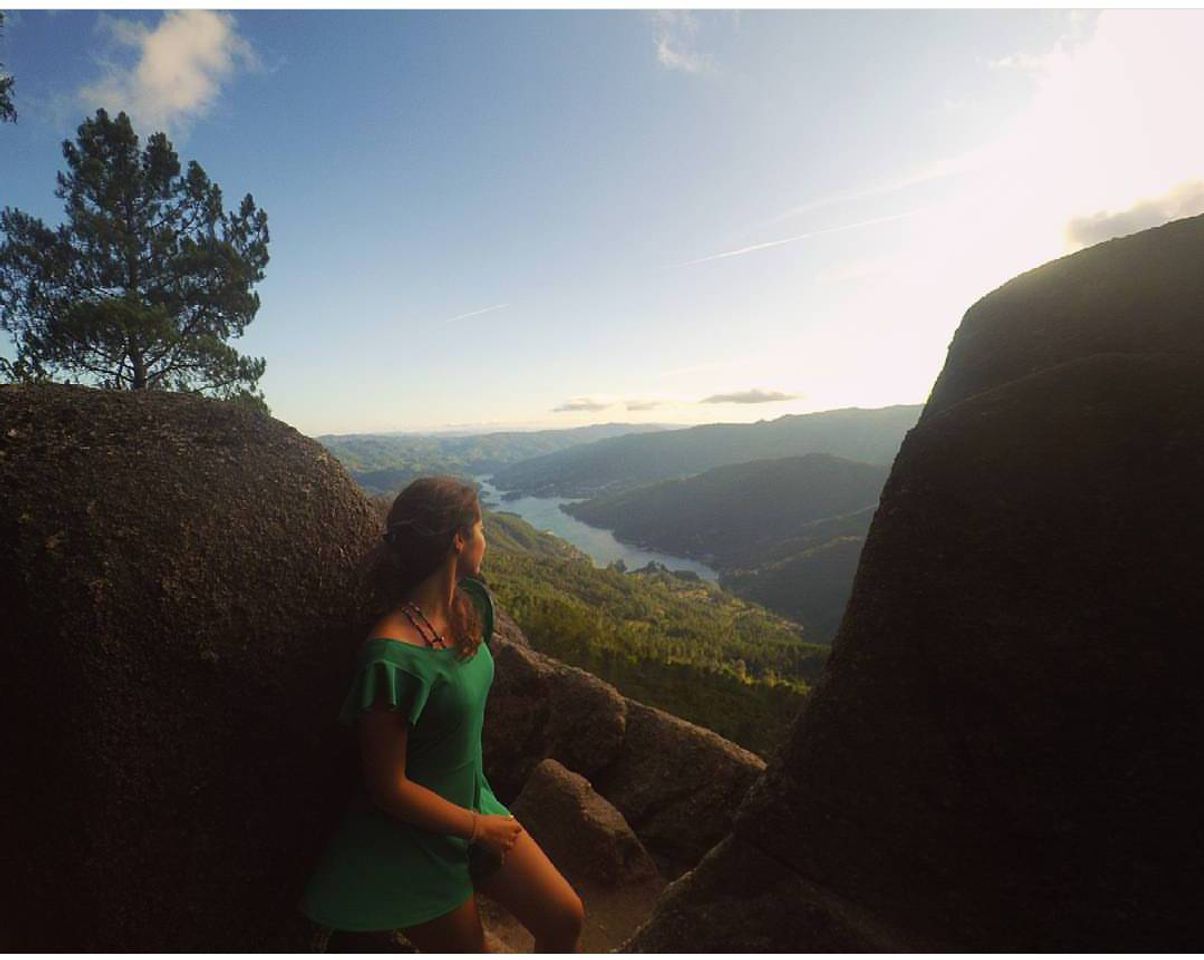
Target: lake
[{"x": 544, "y": 513}]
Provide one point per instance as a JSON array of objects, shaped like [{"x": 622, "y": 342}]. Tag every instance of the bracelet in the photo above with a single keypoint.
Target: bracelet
[{"x": 476, "y": 823}]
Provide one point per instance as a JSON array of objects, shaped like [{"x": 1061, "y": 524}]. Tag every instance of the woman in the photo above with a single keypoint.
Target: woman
[{"x": 426, "y": 831}]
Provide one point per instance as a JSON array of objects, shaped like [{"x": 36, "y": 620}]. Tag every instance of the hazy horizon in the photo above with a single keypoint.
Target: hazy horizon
[{"x": 524, "y": 220}]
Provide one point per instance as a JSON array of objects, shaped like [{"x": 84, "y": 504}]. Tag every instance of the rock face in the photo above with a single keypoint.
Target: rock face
[
  {"x": 1003, "y": 754},
  {"x": 176, "y": 597},
  {"x": 677, "y": 784},
  {"x": 541, "y": 708},
  {"x": 583, "y": 834},
  {"x": 595, "y": 849}
]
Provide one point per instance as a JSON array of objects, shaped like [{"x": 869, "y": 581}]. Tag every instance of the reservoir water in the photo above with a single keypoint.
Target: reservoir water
[{"x": 544, "y": 514}]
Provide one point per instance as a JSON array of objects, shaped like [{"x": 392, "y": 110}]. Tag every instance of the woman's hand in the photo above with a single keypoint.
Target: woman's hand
[{"x": 498, "y": 834}]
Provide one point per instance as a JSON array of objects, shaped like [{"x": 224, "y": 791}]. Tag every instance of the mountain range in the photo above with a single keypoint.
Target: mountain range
[
  {"x": 786, "y": 533},
  {"x": 623, "y": 462}
]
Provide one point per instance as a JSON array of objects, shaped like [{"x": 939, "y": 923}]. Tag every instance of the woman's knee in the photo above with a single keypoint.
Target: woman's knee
[{"x": 564, "y": 919}]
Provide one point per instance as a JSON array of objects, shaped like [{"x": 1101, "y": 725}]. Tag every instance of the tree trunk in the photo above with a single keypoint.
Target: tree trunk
[{"x": 139, "y": 364}]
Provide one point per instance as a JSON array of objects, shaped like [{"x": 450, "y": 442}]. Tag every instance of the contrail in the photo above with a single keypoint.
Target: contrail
[
  {"x": 801, "y": 236},
  {"x": 476, "y": 313}
]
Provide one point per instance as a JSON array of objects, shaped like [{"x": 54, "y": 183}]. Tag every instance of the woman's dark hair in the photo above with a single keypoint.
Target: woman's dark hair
[{"x": 420, "y": 529}]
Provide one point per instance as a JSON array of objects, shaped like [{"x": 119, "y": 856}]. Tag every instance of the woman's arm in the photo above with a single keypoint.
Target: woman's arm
[{"x": 382, "y": 735}]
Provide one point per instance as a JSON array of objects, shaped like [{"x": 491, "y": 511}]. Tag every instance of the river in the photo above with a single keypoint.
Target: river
[{"x": 544, "y": 513}]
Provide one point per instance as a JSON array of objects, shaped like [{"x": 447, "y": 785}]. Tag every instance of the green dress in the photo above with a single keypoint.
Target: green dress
[{"x": 378, "y": 872}]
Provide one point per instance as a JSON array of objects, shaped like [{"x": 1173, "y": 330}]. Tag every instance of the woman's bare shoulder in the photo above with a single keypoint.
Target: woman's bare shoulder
[{"x": 393, "y": 626}]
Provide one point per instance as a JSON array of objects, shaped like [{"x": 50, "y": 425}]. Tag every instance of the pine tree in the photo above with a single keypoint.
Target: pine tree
[
  {"x": 8, "y": 113},
  {"x": 144, "y": 282}
]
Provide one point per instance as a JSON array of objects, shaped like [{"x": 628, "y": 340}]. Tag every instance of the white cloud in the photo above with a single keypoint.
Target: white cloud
[
  {"x": 676, "y": 32},
  {"x": 755, "y": 395},
  {"x": 178, "y": 71},
  {"x": 578, "y": 404},
  {"x": 1185, "y": 200}
]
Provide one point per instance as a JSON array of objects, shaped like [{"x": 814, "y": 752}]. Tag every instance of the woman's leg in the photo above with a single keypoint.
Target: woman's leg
[
  {"x": 456, "y": 932},
  {"x": 530, "y": 887}
]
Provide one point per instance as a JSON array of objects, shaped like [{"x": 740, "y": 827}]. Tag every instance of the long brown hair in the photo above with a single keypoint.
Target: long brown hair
[{"x": 419, "y": 531}]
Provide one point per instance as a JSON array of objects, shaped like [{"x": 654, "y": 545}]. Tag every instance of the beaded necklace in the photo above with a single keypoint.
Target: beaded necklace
[{"x": 418, "y": 619}]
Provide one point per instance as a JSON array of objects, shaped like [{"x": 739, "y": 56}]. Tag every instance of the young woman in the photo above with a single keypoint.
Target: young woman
[{"x": 426, "y": 831}]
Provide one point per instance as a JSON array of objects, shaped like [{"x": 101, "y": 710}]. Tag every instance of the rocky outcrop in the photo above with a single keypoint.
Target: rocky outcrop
[
  {"x": 1134, "y": 295},
  {"x": 740, "y": 900},
  {"x": 676, "y": 784},
  {"x": 177, "y": 594},
  {"x": 1003, "y": 752},
  {"x": 593, "y": 846},
  {"x": 541, "y": 708},
  {"x": 584, "y": 835}
]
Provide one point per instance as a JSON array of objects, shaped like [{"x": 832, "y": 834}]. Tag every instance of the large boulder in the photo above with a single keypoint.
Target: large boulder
[
  {"x": 580, "y": 831},
  {"x": 1002, "y": 755},
  {"x": 176, "y": 590},
  {"x": 741, "y": 900},
  {"x": 677, "y": 784},
  {"x": 540, "y": 708}
]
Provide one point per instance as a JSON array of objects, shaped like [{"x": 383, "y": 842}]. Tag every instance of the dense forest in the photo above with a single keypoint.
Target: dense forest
[{"x": 623, "y": 462}]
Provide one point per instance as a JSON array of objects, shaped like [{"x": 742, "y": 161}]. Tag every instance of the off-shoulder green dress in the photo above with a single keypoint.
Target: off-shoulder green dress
[{"x": 378, "y": 872}]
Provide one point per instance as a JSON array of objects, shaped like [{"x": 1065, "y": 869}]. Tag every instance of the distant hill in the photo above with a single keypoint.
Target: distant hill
[
  {"x": 726, "y": 515},
  {"x": 621, "y": 463},
  {"x": 810, "y": 578},
  {"x": 384, "y": 463},
  {"x": 786, "y": 533}
]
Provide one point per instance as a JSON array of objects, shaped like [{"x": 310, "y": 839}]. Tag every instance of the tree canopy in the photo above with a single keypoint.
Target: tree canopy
[
  {"x": 7, "y": 111},
  {"x": 146, "y": 279}
]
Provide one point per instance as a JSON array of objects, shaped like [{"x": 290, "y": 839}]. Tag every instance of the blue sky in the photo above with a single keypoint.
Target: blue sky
[{"x": 548, "y": 218}]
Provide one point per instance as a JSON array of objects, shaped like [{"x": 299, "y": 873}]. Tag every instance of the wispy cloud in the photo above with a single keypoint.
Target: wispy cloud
[
  {"x": 676, "y": 32},
  {"x": 936, "y": 170},
  {"x": 750, "y": 396},
  {"x": 643, "y": 404},
  {"x": 1185, "y": 200},
  {"x": 178, "y": 70},
  {"x": 741, "y": 251},
  {"x": 476, "y": 313},
  {"x": 581, "y": 404}
]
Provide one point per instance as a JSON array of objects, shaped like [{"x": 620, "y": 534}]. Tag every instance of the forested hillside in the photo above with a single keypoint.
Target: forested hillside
[
  {"x": 621, "y": 463},
  {"x": 786, "y": 533},
  {"x": 736, "y": 513},
  {"x": 672, "y": 641}
]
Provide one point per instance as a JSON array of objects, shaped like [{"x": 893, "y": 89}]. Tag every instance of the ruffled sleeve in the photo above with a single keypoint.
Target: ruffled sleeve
[{"x": 403, "y": 690}]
